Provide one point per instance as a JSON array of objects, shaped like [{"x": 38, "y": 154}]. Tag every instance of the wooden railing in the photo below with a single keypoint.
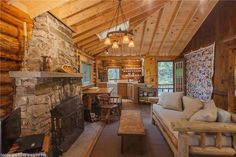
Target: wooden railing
[{"x": 165, "y": 88}]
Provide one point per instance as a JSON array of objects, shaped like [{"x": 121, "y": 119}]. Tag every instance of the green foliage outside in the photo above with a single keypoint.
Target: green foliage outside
[{"x": 165, "y": 72}]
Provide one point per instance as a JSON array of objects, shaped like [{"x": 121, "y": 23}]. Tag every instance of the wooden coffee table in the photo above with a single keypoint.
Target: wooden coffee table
[{"x": 131, "y": 124}]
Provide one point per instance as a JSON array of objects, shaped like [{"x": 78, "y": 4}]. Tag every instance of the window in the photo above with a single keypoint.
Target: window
[
  {"x": 86, "y": 71},
  {"x": 113, "y": 74},
  {"x": 165, "y": 77}
]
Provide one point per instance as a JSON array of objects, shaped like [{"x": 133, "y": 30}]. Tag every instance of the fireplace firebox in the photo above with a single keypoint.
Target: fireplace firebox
[{"x": 67, "y": 124}]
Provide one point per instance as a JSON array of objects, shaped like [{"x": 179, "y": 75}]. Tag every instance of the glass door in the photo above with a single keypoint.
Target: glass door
[
  {"x": 179, "y": 76},
  {"x": 165, "y": 77}
]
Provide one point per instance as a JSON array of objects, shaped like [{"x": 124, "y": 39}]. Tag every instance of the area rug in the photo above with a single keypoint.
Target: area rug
[{"x": 85, "y": 143}]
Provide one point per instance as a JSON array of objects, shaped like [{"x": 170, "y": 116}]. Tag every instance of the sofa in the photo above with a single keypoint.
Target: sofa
[{"x": 195, "y": 137}]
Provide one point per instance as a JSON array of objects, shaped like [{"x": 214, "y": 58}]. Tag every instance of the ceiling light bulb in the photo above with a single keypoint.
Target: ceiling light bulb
[
  {"x": 125, "y": 39},
  {"x": 131, "y": 43},
  {"x": 107, "y": 41},
  {"x": 115, "y": 45}
]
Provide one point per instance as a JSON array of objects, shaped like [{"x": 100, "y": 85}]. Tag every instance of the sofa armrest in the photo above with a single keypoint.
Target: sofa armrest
[{"x": 187, "y": 126}]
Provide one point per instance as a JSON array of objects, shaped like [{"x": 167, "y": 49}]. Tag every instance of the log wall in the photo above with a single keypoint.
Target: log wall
[
  {"x": 220, "y": 27},
  {"x": 11, "y": 51}
]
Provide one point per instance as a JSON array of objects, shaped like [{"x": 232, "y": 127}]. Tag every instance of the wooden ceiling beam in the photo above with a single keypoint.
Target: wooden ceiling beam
[
  {"x": 173, "y": 17},
  {"x": 202, "y": 18},
  {"x": 81, "y": 36},
  {"x": 101, "y": 48},
  {"x": 142, "y": 17},
  {"x": 86, "y": 41},
  {"x": 130, "y": 11},
  {"x": 186, "y": 24},
  {"x": 91, "y": 44},
  {"x": 94, "y": 46},
  {"x": 74, "y": 7},
  {"x": 107, "y": 9},
  {"x": 155, "y": 30},
  {"x": 87, "y": 14},
  {"x": 142, "y": 36}
]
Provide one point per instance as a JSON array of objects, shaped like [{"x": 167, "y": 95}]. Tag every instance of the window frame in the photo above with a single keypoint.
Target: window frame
[
  {"x": 85, "y": 73},
  {"x": 113, "y": 67},
  {"x": 172, "y": 72}
]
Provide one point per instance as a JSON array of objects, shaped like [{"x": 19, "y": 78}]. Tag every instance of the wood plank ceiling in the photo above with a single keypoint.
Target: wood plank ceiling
[{"x": 161, "y": 27}]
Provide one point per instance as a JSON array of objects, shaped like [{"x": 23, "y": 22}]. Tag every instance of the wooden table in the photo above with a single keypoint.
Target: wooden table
[
  {"x": 92, "y": 92},
  {"x": 96, "y": 91},
  {"x": 131, "y": 124}
]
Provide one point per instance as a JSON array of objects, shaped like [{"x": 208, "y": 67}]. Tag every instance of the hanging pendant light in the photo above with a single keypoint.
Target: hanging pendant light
[
  {"x": 125, "y": 39},
  {"x": 131, "y": 43},
  {"x": 115, "y": 45},
  {"x": 107, "y": 41},
  {"x": 115, "y": 36}
]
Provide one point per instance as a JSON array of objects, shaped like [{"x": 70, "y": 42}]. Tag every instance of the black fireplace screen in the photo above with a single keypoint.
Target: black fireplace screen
[{"x": 67, "y": 123}]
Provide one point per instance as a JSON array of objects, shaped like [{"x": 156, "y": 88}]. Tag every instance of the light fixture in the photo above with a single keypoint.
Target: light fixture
[
  {"x": 106, "y": 52},
  {"x": 107, "y": 41},
  {"x": 125, "y": 39},
  {"x": 116, "y": 36},
  {"x": 131, "y": 43},
  {"x": 115, "y": 45}
]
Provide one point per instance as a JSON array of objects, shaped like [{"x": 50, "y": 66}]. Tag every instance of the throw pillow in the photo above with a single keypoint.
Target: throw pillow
[
  {"x": 207, "y": 114},
  {"x": 173, "y": 101},
  {"x": 162, "y": 98},
  {"x": 224, "y": 117},
  {"x": 191, "y": 106}
]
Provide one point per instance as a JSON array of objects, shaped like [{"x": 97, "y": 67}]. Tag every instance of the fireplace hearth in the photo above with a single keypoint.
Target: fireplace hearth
[{"x": 67, "y": 123}]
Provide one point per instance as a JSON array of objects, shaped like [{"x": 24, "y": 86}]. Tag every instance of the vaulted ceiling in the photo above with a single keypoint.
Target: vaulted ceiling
[{"x": 160, "y": 27}]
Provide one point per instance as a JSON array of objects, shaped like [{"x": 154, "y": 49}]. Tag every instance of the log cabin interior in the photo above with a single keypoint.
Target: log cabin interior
[{"x": 114, "y": 78}]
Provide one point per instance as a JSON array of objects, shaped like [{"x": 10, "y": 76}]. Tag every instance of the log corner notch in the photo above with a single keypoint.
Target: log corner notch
[{"x": 11, "y": 50}]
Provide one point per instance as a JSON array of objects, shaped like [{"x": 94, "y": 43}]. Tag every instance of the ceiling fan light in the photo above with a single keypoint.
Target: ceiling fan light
[
  {"x": 107, "y": 41},
  {"x": 125, "y": 39},
  {"x": 115, "y": 45},
  {"x": 131, "y": 43}
]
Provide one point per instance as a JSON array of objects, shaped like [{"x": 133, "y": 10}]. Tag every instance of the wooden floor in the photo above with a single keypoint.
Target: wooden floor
[{"x": 109, "y": 144}]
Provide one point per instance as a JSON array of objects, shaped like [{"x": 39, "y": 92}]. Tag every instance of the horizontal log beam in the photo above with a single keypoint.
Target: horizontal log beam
[
  {"x": 6, "y": 90},
  {"x": 9, "y": 66},
  {"x": 187, "y": 126},
  {"x": 5, "y": 78},
  {"x": 10, "y": 44},
  {"x": 11, "y": 56},
  {"x": 212, "y": 151},
  {"x": 12, "y": 10},
  {"x": 14, "y": 21},
  {"x": 10, "y": 30},
  {"x": 6, "y": 101}
]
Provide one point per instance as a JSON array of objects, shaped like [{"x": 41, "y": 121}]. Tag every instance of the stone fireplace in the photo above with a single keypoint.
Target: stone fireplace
[{"x": 39, "y": 92}]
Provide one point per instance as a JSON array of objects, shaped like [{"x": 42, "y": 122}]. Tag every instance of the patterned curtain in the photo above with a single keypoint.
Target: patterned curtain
[{"x": 199, "y": 73}]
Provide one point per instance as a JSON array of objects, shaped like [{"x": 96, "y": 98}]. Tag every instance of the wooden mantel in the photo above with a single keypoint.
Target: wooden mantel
[{"x": 42, "y": 74}]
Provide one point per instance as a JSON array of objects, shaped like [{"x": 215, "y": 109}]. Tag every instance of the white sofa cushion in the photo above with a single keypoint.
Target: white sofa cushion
[
  {"x": 207, "y": 114},
  {"x": 172, "y": 101},
  {"x": 191, "y": 106},
  {"x": 224, "y": 117},
  {"x": 169, "y": 116}
]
